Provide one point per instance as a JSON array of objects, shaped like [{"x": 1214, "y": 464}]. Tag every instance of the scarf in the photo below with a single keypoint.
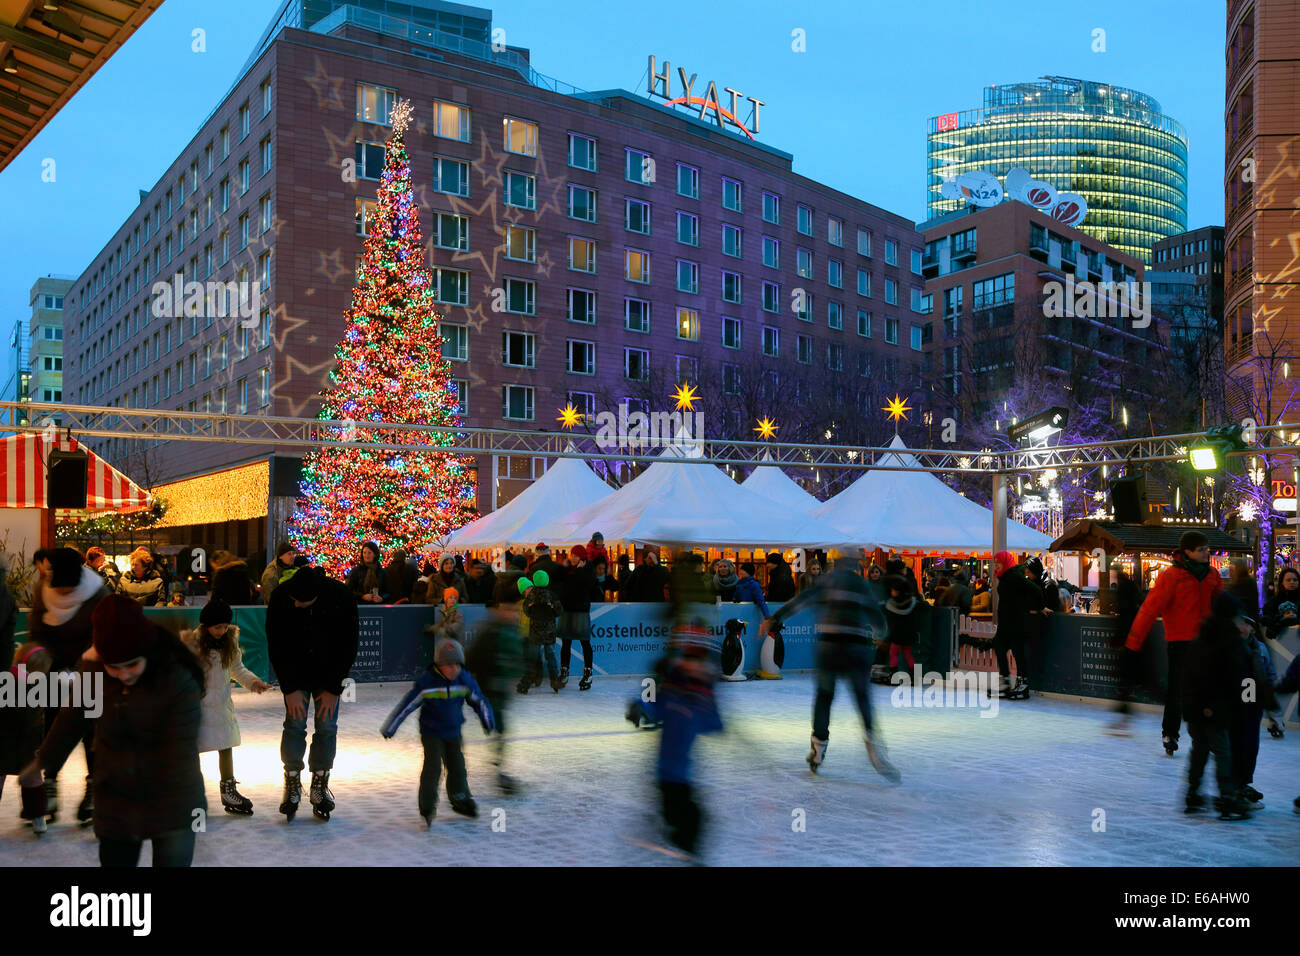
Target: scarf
[
  {"x": 61, "y": 608},
  {"x": 900, "y": 607},
  {"x": 1197, "y": 569},
  {"x": 728, "y": 582}
]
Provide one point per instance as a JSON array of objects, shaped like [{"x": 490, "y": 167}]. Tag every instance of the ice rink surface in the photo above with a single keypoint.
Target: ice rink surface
[{"x": 1029, "y": 787}]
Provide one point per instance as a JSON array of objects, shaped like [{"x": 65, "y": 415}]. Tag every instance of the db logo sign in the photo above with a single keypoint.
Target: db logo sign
[{"x": 1067, "y": 212}]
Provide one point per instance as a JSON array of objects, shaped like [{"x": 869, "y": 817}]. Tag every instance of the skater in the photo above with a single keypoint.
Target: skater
[
  {"x": 279, "y": 570},
  {"x": 1181, "y": 597},
  {"x": 441, "y": 693},
  {"x": 577, "y": 591},
  {"x": 543, "y": 610},
  {"x": 22, "y": 728},
  {"x": 956, "y": 595},
  {"x": 480, "y": 582},
  {"x": 311, "y": 637},
  {"x": 215, "y": 642},
  {"x": 1127, "y": 601},
  {"x": 849, "y": 619},
  {"x": 1289, "y": 684},
  {"x": 1245, "y": 733},
  {"x": 147, "y": 779},
  {"x": 596, "y": 549},
  {"x": 902, "y": 614},
  {"x": 450, "y": 625},
  {"x": 605, "y": 581},
  {"x": 68, "y": 599},
  {"x": 366, "y": 580},
  {"x": 1019, "y": 600},
  {"x": 1214, "y": 666},
  {"x": 495, "y": 659},
  {"x": 1037, "y": 574},
  {"x": 810, "y": 577},
  {"x": 543, "y": 561}
]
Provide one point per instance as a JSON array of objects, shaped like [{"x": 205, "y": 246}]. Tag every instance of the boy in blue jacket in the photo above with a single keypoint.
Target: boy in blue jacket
[
  {"x": 441, "y": 693},
  {"x": 748, "y": 589}
]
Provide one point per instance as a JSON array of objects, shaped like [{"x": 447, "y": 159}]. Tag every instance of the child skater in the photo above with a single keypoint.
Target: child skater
[
  {"x": 215, "y": 642},
  {"x": 542, "y": 609},
  {"x": 440, "y": 693},
  {"x": 21, "y": 731}
]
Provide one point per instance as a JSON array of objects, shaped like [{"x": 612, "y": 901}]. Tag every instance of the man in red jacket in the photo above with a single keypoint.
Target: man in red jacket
[{"x": 1182, "y": 597}]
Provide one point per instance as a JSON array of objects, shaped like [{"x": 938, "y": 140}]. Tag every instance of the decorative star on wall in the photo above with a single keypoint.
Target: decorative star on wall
[{"x": 897, "y": 408}]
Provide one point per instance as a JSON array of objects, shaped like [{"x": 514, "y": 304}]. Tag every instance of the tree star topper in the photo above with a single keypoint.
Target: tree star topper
[
  {"x": 569, "y": 416},
  {"x": 766, "y": 428},
  {"x": 897, "y": 408},
  {"x": 401, "y": 117},
  {"x": 685, "y": 396}
]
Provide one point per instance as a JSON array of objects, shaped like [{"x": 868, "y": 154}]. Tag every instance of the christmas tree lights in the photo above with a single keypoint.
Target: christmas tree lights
[{"x": 390, "y": 369}]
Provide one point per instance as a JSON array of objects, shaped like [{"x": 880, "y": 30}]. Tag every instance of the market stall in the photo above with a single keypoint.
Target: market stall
[{"x": 771, "y": 482}]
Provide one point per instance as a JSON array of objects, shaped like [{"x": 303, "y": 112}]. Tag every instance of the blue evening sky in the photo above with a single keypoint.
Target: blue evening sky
[{"x": 852, "y": 108}]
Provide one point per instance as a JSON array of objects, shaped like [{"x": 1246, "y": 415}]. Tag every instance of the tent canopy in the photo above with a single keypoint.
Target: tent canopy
[
  {"x": 24, "y": 482},
  {"x": 1113, "y": 537},
  {"x": 565, "y": 487},
  {"x": 672, "y": 502},
  {"x": 915, "y": 511},
  {"x": 771, "y": 482}
]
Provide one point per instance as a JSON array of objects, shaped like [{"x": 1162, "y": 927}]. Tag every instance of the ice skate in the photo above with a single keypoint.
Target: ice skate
[
  {"x": 1275, "y": 729},
  {"x": 1232, "y": 808},
  {"x": 39, "y": 826},
  {"x": 1295, "y": 805},
  {"x": 1253, "y": 798},
  {"x": 86, "y": 808},
  {"x": 558, "y": 681},
  {"x": 1017, "y": 689},
  {"x": 464, "y": 805},
  {"x": 817, "y": 754},
  {"x": 1195, "y": 803},
  {"x": 428, "y": 816},
  {"x": 232, "y": 801},
  {"x": 322, "y": 801},
  {"x": 292, "y": 794},
  {"x": 52, "y": 800},
  {"x": 563, "y": 679},
  {"x": 507, "y": 784},
  {"x": 1170, "y": 744},
  {"x": 1004, "y": 686},
  {"x": 1119, "y": 727},
  {"x": 880, "y": 759},
  {"x": 585, "y": 683}
]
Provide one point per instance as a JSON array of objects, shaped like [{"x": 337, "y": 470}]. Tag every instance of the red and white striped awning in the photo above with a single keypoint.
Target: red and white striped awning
[{"x": 23, "y": 481}]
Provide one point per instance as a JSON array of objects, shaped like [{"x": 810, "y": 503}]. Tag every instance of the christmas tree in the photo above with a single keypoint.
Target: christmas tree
[{"x": 390, "y": 369}]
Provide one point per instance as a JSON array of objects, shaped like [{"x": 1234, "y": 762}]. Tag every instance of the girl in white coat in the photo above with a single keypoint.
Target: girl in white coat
[{"x": 216, "y": 644}]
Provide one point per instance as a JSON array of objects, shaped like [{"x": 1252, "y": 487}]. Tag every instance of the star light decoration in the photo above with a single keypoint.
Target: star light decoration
[
  {"x": 570, "y": 416},
  {"x": 685, "y": 397},
  {"x": 766, "y": 428},
  {"x": 897, "y": 408}
]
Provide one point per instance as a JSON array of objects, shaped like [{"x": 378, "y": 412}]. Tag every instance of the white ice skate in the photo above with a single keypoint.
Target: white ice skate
[{"x": 880, "y": 759}]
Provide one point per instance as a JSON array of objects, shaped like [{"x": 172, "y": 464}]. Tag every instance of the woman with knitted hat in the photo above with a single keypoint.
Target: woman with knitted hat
[
  {"x": 215, "y": 642},
  {"x": 147, "y": 779},
  {"x": 447, "y": 576}
]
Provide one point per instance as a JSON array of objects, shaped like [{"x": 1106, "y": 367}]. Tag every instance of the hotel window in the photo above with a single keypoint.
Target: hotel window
[
  {"x": 916, "y": 338},
  {"x": 952, "y": 302},
  {"x": 370, "y": 160},
  {"x": 451, "y": 176},
  {"x": 451, "y": 231},
  {"x": 636, "y": 364},
  {"x": 180, "y": 238},
  {"x": 243, "y": 121},
  {"x": 519, "y": 349},
  {"x": 194, "y": 361},
  {"x": 521, "y": 136},
  {"x": 241, "y": 343},
  {"x": 455, "y": 342},
  {"x": 731, "y": 241},
  {"x": 207, "y": 360},
  {"x": 264, "y": 214},
  {"x": 168, "y": 204},
  {"x": 688, "y": 369},
  {"x": 462, "y": 396},
  {"x": 835, "y": 315},
  {"x": 224, "y": 241},
  {"x": 835, "y": 274},
  {"x": 864, "y": 323},
  {"x": 517, "y": 402},
  {"x": 730, "y": 332},
  {"x": 638, "y": 167},
  {"x": 891, "y": 292},
  {"x": 243, "y": 233},
  {"x": 264, "y": 151},
  {"x": 804, "y": 225},
  {"x": 688, "y": 181},
  {"x": 582, "y": 254},
  {"x": 917, "y": 304},
  {"x": 180, "y": 190},
  {"x": 891, "y": 331},
  {"x": 521, "y": 296},
  {"x": 636, "y": 315},
  {"x": 584, "y": 403},
  {"x": 244, "y": 177},
  {"x": 580, "y": 306},
  {"x": 804, "y": 263},
  {"x": 731, "y": 195},
  {"x": 451, "y": 286},
  {"x": 771, "y": 297},
  {"x": 582, "y": 357},
  {"x": 864, "y": 283},
  {"x": 521, "y": 243},
  {"x": 803, "y": 349},
  {"x": 582, "y": 203},
  {"x": 636, "y": 266},
  {"x": 864, "y": 364},
  {"x": 688, "y": 325},
  {"x": 451, "y": 121},
  {"x": 266, "y": 103},
  {"x": 582, "y": 152},
  {"x": 264, "y": 270},
  {"x": 263, "y": 387},
  {"x": 834, "y": 356},
  {"x": 772, "y": 208},
  {"x": 241, "y": 391},
  {"x": 208, "y": 157},
  {"x": 224, "y": 191},
  {"x": 731, "y": 287},
  {"x": 771, "y": 252},
  {"x": 521, "y": 189},
  {"x": 636, "y": 216},
  {"x": 803, "y": 306},
  {"x": 208, "y": 264},
  {"x": 366, "y": 209},
  {"x": 688, "y": 276},
  {"x": 916, "y": 262},
  {"x": 994, "y": 291},
  {"x": 864, "y": 243},
  {"x": 771, "y": 342},
  {"x": 891, "y": 252},
  {"x": 688, "y": 229},
  {"x": 222, "y": 350},
  {"x": 834, "y": 231},
  {"x": 730, "y": 379}
]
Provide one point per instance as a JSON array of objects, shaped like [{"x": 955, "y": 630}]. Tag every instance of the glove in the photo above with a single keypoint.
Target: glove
[{"x": 1275, "y": 729}]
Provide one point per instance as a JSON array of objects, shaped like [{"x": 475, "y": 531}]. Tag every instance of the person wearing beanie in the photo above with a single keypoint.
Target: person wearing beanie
[
  {"x": 1019, "y": 610},
  {"x": 447, "y": 576},
  {"x": 1215, "y": 668},
  {"x": 596, "y": 549},
  {"x": 441, "y": 693},
  {"x": 647, "y": 582},
  {"x": 577, "y": 590},
  {"x": 62, "y": 624},
  {"x": 215, "y": 643},
  {"x": 144, "y": 582},
  {"x": 480, "y": 581},
  {"x": 311, "y": 637},
  {"x": 780, "y": 582},
  {"x": 748, "y": 589},
  {"x": 543, "y": 561},
  {"x": 496, "y": 660},
  {"x": 367, "y": 580},
  {"x": 1181, "y": 598},
  {"x": 279, "y": 570},
  {"x": 231, "y": 581},
  {"x": 147, "y": 779},
  {"x": 543, "y": 609},
  {"x": 401, "y": 576}
]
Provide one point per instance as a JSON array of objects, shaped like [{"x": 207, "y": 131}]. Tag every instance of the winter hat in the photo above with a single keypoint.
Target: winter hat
[
  {"x": 541, "y": 549},
  {"x": 305, "y": 584},
  {"x": 748, "y": 568},
  {"x": 1006, "y": 561},
  {"x": 524, "y": 584},
  {"x": 217, "y": 611},
  {"x": 578, "y": 553},
  {"x": 896, "y": 582},
  {"x": 65, "y": 568},
  {"x": 301, "y": 561},
  {"x": 449, "y": 652},
  {"x": 1191, "y": 540},
  {"x": 774, "y": 557},
  {"x": 895, "y": 566},
  {"x": 450, "y": 592},
  {"x": 283, "y": 548},
  {"x": 519, "y": 562},
  {"x": 119, "y": 630},
  {"x": 541, "y": 578},
  {"x": 444, "y": 558},
  {"x": 1226, "y": 606}
]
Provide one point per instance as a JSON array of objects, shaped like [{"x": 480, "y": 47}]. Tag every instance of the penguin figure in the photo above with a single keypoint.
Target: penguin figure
[
  {"x": 733, "y": 651},
  {"x": 771, "y": 655}
]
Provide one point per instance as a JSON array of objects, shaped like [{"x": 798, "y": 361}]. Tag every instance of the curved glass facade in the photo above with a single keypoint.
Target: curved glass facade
[{"x": 1111, "y": 145}]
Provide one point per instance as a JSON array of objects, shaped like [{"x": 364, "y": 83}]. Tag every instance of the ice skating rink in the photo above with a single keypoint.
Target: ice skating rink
[{"x": 1028, "y": 787}]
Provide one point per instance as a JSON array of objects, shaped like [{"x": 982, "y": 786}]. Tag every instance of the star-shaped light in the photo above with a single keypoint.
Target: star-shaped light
[
  {"x": 897, "y": 408},
  {"x": 401, "y": 116},
  {"x": 766, "y": 428},
  {"x": 569, "y": 416},
  {"x": 685, "y": 396}
]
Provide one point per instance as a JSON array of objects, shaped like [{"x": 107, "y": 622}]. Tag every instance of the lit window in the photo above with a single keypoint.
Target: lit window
[
  {"x": 582, "y": 255},
  {"x": 521, "y": 243},
  {"x": 451, "y": 121},
  {"x": 688, "y": 325},
  {"x": 521, "y": 136},
  {"x": 375, "y": 104},
  {"x": 636, "y": 266}
]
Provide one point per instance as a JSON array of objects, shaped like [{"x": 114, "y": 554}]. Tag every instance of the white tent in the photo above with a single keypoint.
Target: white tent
[
  {"x": 915, "y": 511},
  {"x": 566, "y": 486},
  {"x": 771, "y": 482},
  {"x": 672, "y": 502}
]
